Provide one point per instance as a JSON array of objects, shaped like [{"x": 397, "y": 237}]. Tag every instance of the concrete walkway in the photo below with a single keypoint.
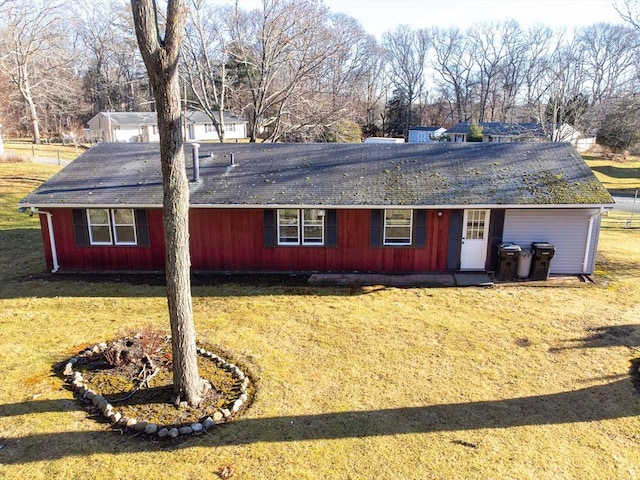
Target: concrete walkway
[
  {"x": 470, "y": 279},
  {"x": 400, "y": 280}
]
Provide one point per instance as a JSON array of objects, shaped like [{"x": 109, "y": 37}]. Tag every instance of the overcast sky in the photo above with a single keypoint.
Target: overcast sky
[{"x": 379, "y": 16}]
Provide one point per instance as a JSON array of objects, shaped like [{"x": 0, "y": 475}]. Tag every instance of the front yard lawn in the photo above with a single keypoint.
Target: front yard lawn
[{"x": 510, "y": 382}]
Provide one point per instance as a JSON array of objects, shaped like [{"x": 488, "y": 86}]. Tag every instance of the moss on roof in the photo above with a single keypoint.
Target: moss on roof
[{"x": 350, "y": 175}]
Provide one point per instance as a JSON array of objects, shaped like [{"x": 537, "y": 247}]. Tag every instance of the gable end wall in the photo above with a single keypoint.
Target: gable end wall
[{"x": 566, "y": 229}]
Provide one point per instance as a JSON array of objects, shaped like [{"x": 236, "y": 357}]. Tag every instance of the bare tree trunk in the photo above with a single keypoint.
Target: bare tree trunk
[
  {"x": 161, "y": 59},
  {"x": 33, "y": 112}
]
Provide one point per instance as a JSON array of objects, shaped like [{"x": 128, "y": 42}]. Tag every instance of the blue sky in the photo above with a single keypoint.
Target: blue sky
[{"x": 379, "y": 16}]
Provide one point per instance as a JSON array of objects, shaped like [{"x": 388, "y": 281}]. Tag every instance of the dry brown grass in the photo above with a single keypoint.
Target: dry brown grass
[{"x": 511, "y": 382}]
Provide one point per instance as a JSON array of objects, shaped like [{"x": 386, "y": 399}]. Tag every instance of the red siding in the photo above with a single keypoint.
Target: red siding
[
  {"x": 232, "y": 240},
  {"x": 103, "y": 258}
]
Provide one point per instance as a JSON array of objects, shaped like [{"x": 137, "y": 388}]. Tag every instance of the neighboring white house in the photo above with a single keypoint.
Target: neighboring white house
[
  {"x": 143, "y": 127},
  {"x": 200, "y": 126},
  {"x": 425, "y": 134},
  {"x": 499, "y": 132},
  {"x": 566, "y": 133},
  {"x": 529, "y": 132}
]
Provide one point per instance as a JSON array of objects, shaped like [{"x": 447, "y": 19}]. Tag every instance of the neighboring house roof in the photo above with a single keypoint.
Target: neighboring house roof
[
  {"x": 348, "y": 175},
  {"x": 130, "y": 118},
  {"x": 426, "y": 129},
  {"x": 150, "y": 118},
  {"x": 527, "y": 129}
]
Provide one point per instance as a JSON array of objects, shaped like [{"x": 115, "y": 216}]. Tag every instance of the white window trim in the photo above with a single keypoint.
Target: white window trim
[
  {"x": 321, "y": 225},
  {"x": 301, "y": 240},
  {"x": 113, "y": 233},
  {"x": 280, "y": 241},
  {"x": 91, "y": 225},
  {"x": 112, "y": 212},
  {"x": 395, "y": 243}
]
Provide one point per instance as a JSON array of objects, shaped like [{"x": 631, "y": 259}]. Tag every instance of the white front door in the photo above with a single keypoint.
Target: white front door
[{"x": 475, "y": 230}]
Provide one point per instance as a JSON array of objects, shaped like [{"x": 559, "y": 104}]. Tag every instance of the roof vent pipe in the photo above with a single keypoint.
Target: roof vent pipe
[{"x": 196, "y": 162}]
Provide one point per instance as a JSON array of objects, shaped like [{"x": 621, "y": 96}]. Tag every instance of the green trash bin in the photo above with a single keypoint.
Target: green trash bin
[
  {"x": 507, "y": 262},
  {"x": 543, "y": 252}
]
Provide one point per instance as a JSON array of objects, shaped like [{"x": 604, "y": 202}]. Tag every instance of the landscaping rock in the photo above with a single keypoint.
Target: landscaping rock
[
  {"x": 210, "y": 422},
  {"x": 151, "y": 428},
  {"x": 140, "y": 426}
]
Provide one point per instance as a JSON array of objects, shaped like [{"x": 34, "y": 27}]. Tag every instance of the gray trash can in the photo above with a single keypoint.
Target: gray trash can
[
  {"x": 524, "y": 263},
  {"x": 543, "y": 252},
  {"x": 507, "y": 261}
]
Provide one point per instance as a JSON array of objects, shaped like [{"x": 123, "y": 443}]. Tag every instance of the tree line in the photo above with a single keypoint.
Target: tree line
[{"x": 296, "y": 71}]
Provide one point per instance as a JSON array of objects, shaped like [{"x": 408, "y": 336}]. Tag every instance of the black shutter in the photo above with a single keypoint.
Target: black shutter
[
  {"x": 142, "y": 228},
  {"x": 496, "y": 229},
  {"x": 80, "y": 227},
  {"x": 269, "y": 228},
  {"x": 331, "y": 226},
  {"x": 419, "y": 228},
  {"x": 455, "y": 240},
  {"x": 376, "y": 226}
]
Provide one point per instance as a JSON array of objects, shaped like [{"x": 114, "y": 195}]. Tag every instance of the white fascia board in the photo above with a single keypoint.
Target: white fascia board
[{"x": 327, "y": 206}]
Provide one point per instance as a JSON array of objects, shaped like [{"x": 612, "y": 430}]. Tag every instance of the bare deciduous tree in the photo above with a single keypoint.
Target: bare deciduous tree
[
  {"x": 407, "y": 52},
  {"x": 205, "y": 56},
  {"x": 281, "y": 49},
  {"x": 609, "y": 53},
  {"x": 32, "y": 52},
  {"x": 453, "y": 67},
  {"x": 112, "y": 69},
  {"x": 160, "y": 49}
]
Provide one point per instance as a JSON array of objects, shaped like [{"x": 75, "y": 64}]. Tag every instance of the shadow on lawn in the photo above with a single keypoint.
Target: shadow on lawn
[
  {"x": 603, "y": 337},
  {"x": 618, "y": 172},
  {"x": 613, "y": 400},
  {"x": 131, "y": 285}
]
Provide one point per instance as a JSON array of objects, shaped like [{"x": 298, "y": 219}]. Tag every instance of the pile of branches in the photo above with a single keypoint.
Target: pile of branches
[{"x": 140, "y": 356}]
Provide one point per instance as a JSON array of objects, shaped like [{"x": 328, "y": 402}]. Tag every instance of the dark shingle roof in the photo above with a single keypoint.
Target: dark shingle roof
[
  {"x": 131, "y": 118},
  {"x": 424, "y": 129},
  {"x": 530, "y": 129},
  {"x": 150, "y": 118},
  {"x": 352, "y": 175}
]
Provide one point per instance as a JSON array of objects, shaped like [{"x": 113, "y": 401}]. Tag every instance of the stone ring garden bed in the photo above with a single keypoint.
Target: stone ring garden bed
[{"x": 147, "y": 408}]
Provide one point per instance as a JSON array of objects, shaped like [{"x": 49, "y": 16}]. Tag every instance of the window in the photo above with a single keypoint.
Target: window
[
  {"x": 208, "y": 128},
  {"x": 231, "y": 127},
  {"x": 475, "y": 224},
  {"x": 301, "y": 227},
  {"x": 111, "y": 226},
  {"x": 397, "y": 227}
]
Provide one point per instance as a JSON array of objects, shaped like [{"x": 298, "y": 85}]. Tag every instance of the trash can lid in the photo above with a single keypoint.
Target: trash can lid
[
  {"x": 510, "y": 247},
  {"x": 541, "y": 245}
]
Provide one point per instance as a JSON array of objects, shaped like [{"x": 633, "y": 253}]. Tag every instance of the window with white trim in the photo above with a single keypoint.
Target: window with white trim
[
  {"x": 301, "y": 226},
  {"x": 208, "y": 128},
  {"x": 116, "y": 226},
  {"x": 398, "y": 225}
]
